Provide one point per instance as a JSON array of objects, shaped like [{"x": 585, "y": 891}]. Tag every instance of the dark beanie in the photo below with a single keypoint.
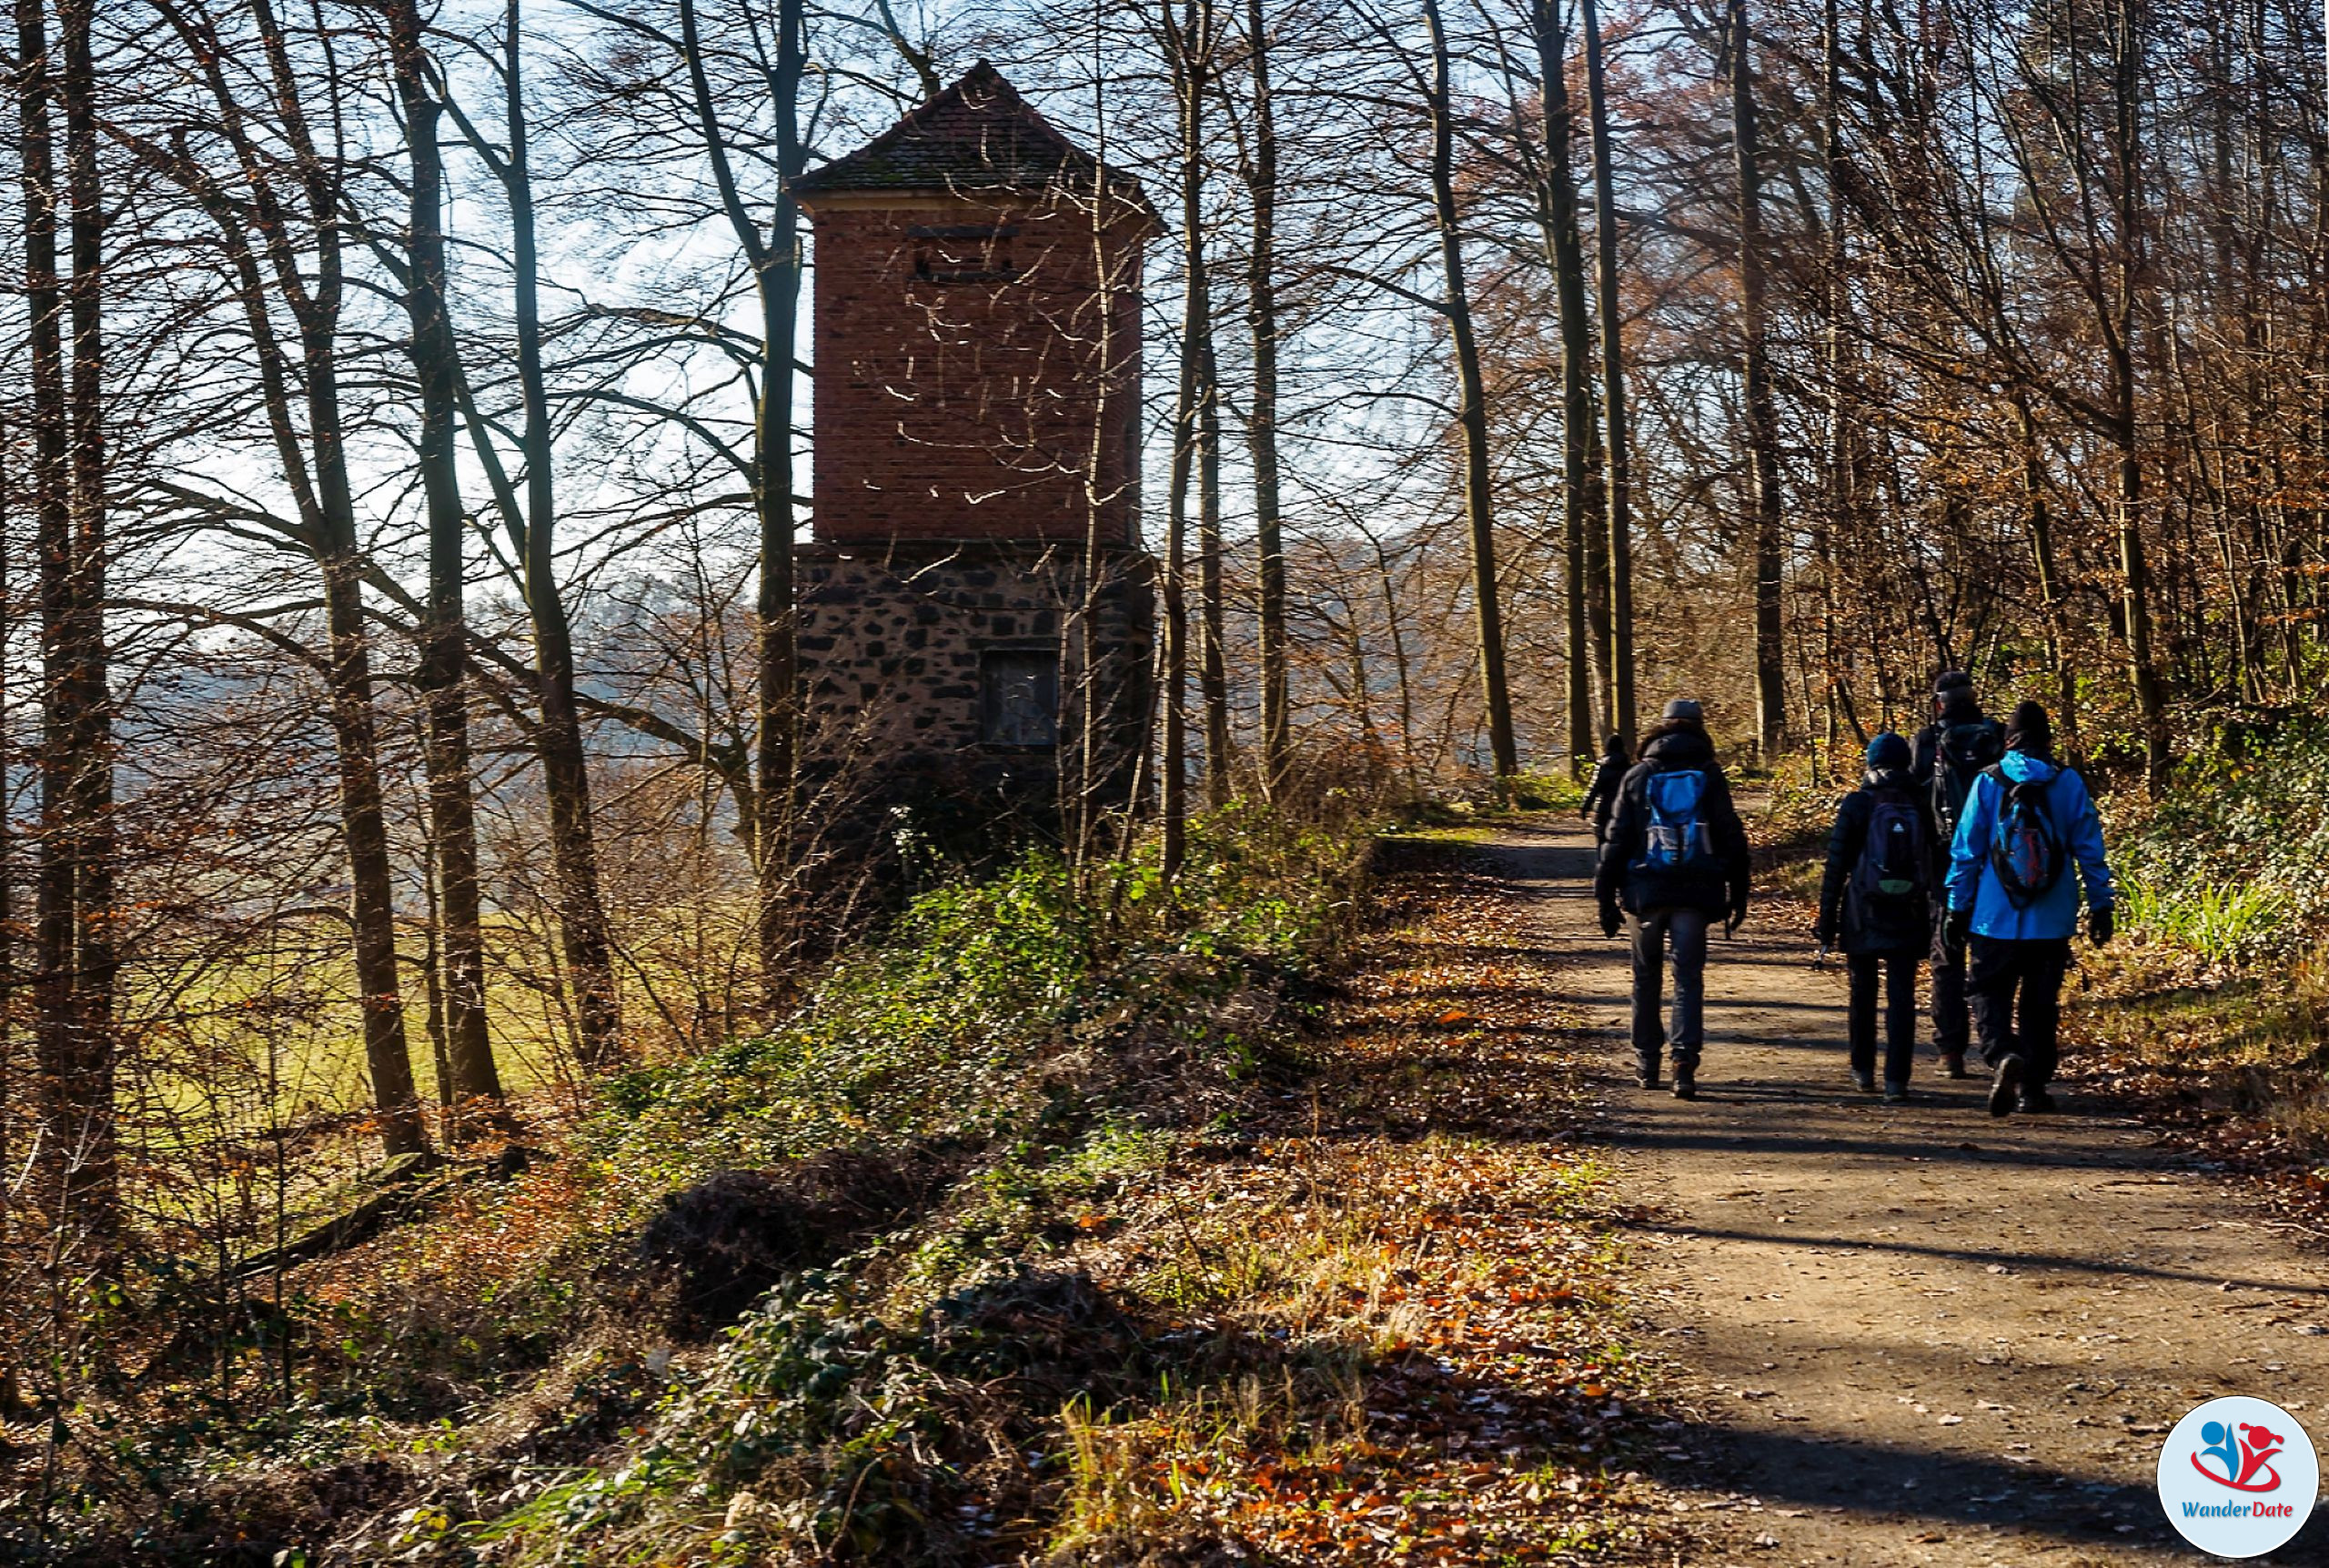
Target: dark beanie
[
  {"x": 1685, "y": 711},
  {"x": 1615, "y": 745},
  {"x": 1952, "y": 680},
  {"x": 2030, "y": 731},
  {"x": 1888, "y": 751}
]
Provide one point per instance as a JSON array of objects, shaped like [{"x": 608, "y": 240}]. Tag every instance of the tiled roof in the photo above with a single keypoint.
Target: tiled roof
[{"x": 979, "y": 135}]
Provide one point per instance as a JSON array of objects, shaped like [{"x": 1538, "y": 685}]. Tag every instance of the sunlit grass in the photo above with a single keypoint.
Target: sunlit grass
[{"x": 2223, "y": 923}]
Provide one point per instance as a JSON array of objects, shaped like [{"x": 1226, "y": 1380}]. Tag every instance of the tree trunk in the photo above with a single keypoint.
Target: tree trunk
[
  {"x": 1195, "y": 311},
  {"x": 1261, "y": 424},
  {"x": 1762, "y": 410},
  {"x": 2134, "y": 568},
  {"x": 315, "y": 466},
  {"x": 779, "y": 653},
  {"x": 1192, "y": 61},
  {"x": 566, "y": 774},
  {"x": 1839, "y": 497},
  {"x": 91, "y": 737},
  {"x": 387, "y": 1054},
  {"x": 11, "y": 1077},
  {"x": 775, "y": 259},
  {"x": 75, "y": 1175},
  {"x": 2053, "y": 597},
  {"x": 1471, "y": 411},
  {"x": 1618, "y": 479},
  {"x": 444, "y": 632},
  {"x": 340, "y": 555},
  {"x": 1213, "y": 672},
  {"x": 1565, "y": 250},
  {"x": 1172, "y": 640},
  {"x": 56, "y": 1028}
]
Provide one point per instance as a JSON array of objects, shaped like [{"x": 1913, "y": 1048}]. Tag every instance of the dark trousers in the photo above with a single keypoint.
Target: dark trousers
[
  {"x": 1899, "y": 974},
  {"x": 2003, "y": 973},
  {"x": 1683, "y": 933},
  {"x": 1952, "y": 1026}
]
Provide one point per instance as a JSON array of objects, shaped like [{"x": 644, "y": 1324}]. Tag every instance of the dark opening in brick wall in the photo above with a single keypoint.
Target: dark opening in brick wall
[{"x": 1019, "y": 697}]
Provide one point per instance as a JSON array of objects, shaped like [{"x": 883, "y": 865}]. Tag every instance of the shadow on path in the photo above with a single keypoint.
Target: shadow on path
[{"x": 1917, "y": 1334}]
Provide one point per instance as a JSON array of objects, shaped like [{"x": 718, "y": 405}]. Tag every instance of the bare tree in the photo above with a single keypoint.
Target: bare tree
[
  {"x": 1260, "y": 168},
  {"x": 533, "y": 526},
  {"x": 1616, "y": 445},
  {"x": 1471, "y": 409},
  {"x": 444, "y": 658},
  {"x": 1762, "y": 408}
]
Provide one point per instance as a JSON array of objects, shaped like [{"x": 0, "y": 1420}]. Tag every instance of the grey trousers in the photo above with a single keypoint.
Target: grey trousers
[{"x": 1681, "y": 933}]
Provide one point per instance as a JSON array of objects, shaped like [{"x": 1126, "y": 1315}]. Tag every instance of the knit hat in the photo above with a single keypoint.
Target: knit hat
[
  {"x": 1951, "y": 680},
  {"x": 1615, "y": 745},
  {"x": 2030, "y": 731},
  {"x": 1888, "y": 751},
  {"x": 1685, "y": 709}
]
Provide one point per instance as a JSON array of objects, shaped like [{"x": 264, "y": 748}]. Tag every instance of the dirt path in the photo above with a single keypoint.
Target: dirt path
[{"x": 1916, "y": 1334}]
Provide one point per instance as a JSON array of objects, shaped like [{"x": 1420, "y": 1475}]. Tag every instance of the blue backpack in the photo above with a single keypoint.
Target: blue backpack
[
  {"x": 2027, "y": 852},
  {"x": 1676, "y": 843}
]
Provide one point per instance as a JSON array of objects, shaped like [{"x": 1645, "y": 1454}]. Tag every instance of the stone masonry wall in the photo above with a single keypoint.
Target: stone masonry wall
[{"x": 891, "y": 642}]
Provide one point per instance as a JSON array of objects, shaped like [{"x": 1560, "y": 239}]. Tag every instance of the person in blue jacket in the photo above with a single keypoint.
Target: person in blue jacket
[{"x": 2028, "y": 843}]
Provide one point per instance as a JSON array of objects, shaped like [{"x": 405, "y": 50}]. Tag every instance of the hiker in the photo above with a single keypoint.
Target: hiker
[
  {"x": 1675, "y": 860},
  {"x": 1951, "y": 753},
  {"x": 1601, "y": 794},
  {"x": 2013, "y": 905},
  {"x": 1875, "y": 903}
]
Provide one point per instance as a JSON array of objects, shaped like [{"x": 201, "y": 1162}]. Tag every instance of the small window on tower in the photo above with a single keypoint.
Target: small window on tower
[
  {"x": 1019, "y": 697},
  {"x": 964, "y": 253}
]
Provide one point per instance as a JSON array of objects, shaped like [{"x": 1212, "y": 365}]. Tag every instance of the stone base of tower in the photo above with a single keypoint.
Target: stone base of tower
[{"x": 946, "y": 688}]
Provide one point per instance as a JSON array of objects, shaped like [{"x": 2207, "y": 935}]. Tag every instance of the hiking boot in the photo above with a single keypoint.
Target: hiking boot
[
  {"x": 1685, "y": 1084},
  {"x": 2035, "y": 1102},
  {"x": 1864, "y": 1080},
  {"x": 1896, "y": 1094},
  {"x": 1954, "y": 1061},
  {"x": 1646, "y": 1074},
  {"x": 2006, "y": 1086}
]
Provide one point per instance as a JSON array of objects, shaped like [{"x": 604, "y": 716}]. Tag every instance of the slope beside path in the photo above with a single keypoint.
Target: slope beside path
[{"x": 1915, "y": 1334}]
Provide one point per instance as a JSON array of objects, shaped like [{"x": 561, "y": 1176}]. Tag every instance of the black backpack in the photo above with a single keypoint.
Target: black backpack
[
  {"x": 1963, "y": 753},
  {"x": 1893, "y": 857}
]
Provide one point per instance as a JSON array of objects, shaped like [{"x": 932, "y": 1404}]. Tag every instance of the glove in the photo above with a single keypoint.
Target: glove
[
  {"x": 1956, "y": 929},
  {"x": 2101, "y": 925},
  {"x": 1610, "y": 919},
  {"x": 1737, "y": 915},
  {"x": 1824, "y": 933}
]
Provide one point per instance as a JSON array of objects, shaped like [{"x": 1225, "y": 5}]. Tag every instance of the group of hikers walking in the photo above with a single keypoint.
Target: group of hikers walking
[{"x": 1971, "y": 847}]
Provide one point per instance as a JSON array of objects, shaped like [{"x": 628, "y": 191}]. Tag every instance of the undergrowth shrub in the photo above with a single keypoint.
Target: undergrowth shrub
[
  {"x": 947, "y": 1096},
  {"x": 988, "y": 1001},
  {"x": 822, "y": 1428},
  {"x": 2230, "y": 862},
  {"x": 2221, "y": 922}
]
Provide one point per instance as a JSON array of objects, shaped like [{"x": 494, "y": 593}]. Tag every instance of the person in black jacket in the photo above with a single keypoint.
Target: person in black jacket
[
  {"x": 1876, "y": 903},
  {"x": 1951, "y": 752},
  {"x": 1674, "y": 860},
  {"x": 1601, "y": 794}
]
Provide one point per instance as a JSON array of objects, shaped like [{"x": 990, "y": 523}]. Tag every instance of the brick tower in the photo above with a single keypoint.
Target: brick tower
[{"x": 976, "y": 466}]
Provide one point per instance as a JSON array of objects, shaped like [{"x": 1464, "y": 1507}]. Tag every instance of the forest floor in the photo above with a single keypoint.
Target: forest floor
[{"x": 1911, "y": 1334}]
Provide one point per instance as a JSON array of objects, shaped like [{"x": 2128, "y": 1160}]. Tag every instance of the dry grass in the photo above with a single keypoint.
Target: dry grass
[{"x": 1419, "y": 1255}]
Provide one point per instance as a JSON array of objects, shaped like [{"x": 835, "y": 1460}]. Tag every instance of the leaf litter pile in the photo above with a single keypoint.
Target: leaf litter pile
[{"x": 1419, "y": 1244}]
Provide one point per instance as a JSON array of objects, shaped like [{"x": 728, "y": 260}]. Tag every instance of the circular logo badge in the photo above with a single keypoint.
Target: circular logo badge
[{"x": 2238, "y": 1476}]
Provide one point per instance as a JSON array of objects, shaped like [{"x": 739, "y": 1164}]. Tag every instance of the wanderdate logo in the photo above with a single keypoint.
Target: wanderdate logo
[{"x": 2238, "y": 1476}]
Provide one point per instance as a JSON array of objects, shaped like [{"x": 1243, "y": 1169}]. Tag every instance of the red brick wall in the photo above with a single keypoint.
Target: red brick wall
[{"x": 958, "y": 372}]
